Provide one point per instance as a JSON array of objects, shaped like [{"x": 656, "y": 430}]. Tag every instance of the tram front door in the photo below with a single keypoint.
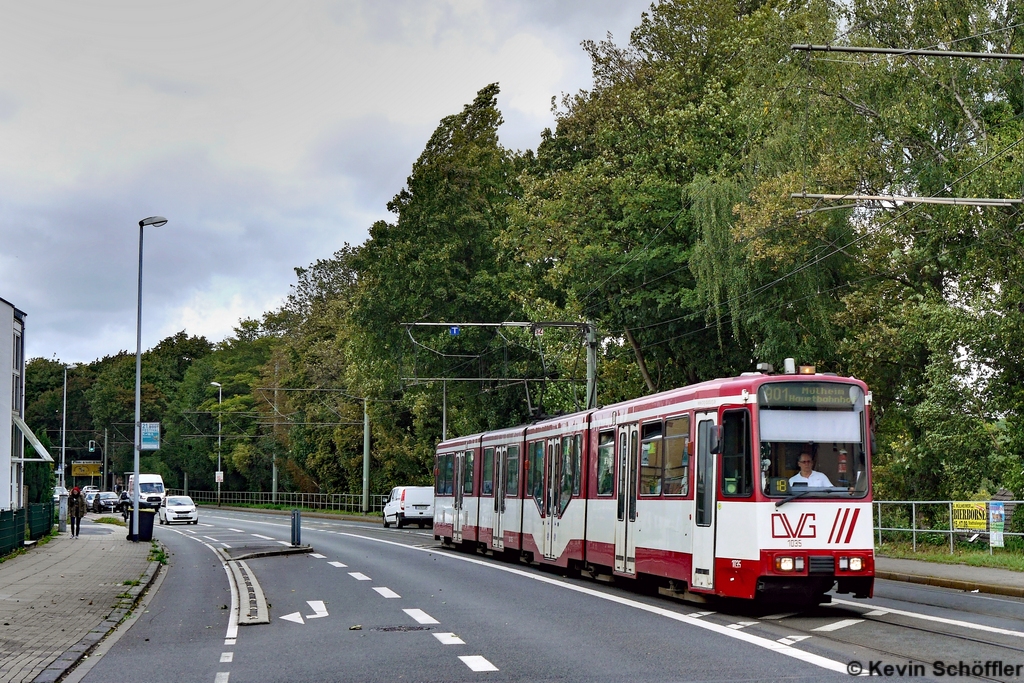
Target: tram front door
[
  {"x": 459, "y": 492},
  {"x": 500, "y": 463},
  {"x": 703, "y": 575},
  {"x": 552, "y": 470},
  {"x": 625, "y": 517}
]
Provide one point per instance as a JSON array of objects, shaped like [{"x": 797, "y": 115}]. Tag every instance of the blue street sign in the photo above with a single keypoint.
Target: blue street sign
[{"x": 453, "y": 330}]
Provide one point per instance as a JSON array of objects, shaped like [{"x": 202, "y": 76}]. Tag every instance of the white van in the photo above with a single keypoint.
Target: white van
[
  {"x": 410, "y": 504},
  {"x": 151, "y": 490}
]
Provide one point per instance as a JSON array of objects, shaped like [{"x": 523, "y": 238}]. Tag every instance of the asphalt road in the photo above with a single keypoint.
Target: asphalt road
[{"x": 392, "y": 605}]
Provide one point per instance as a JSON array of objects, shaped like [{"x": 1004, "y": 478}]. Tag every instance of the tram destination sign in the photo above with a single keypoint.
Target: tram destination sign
[{"x": 806, "y": 395}]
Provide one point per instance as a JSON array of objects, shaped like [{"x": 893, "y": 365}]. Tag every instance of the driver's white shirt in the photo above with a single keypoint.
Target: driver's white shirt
[{"x": 816, "y": 480}]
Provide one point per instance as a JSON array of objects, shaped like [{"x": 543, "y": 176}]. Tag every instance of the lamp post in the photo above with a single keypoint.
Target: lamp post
[
  {"x": 220, "y": 401},
  {"x": 64, "y": 422},
  {"x": 156, "y": 222}
]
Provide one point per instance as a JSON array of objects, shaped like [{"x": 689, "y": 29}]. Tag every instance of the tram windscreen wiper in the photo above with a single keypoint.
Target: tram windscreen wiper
[{"x": 804, "y": 492}]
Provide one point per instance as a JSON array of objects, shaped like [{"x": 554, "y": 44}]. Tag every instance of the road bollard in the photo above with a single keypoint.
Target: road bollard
[{"x": 296, "y": 527}]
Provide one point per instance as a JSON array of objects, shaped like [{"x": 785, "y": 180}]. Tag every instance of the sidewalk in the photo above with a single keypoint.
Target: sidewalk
[
  {"x": 957, "y": 576},
  {"x": 59, "y": 599}
]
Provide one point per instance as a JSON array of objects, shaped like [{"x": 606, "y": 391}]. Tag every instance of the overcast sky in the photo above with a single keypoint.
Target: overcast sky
[{"x": 268, "y": 133}]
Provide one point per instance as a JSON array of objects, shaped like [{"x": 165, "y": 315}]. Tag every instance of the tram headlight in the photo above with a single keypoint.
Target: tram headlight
[
  {"x": 856, "y": 564},
  {"x": 784, "y": 564}
]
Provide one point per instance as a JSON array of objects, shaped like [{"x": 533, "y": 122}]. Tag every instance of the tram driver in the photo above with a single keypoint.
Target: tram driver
[{"x": 808, "y": 476}]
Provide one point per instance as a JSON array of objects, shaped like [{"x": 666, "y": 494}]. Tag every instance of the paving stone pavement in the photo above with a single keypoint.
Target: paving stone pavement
[{"x": 55, "y": 596}]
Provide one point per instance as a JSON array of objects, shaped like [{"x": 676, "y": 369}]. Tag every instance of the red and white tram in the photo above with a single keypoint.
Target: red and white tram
[{"x": 747, "y": 487}]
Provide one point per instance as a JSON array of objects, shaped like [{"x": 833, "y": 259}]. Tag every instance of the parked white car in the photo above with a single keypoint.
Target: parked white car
[
  {"x": 178, "y": 509},
  {"x": 410, "y": 504}
]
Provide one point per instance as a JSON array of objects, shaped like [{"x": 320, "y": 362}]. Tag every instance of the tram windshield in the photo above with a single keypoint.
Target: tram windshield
[{"x": 812, "y": 439}]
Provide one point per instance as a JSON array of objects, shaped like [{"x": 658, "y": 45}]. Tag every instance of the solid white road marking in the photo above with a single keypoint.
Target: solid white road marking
[
  {"x": 742, "y": 624},
  {"x": 838, "y": 625},
  {"x": 318, "y": 556},
  {"x": 359, "y": 576},
  {"x": 282, "y": 542},
  {"x": 449, "y": 639},
  {"x": 294, "y": 616},
  {"x": 749, "y": 638},
  {"x": 421, "y": 617},
  {"x": 224, "y": 544},
  {"x": 386, "y": 592},
  {"x": 790, "y": 640},
  {"x": 477, "y": 663},
  {"x": 319, "y": 609},
  {"x": 201, "y": 524},
  {"x": 928, "y": 617},
  {"x": 265, "y": 538},
  {"x": 222, "y": 677},
  {"x": 227, "y": 656},
  {"x": 337, "y": 564}
]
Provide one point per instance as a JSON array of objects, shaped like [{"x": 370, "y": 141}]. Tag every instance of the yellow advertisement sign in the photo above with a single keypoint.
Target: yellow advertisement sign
[
  {"x": 970, "y": 516},
  {"x": 85, "y": 469}
]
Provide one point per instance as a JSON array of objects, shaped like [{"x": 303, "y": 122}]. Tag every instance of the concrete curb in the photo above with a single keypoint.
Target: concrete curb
[
  {"x": 59, "y": 667},
  {"x": 968, "y": 586},
  {"x": 273, "y": 552}
]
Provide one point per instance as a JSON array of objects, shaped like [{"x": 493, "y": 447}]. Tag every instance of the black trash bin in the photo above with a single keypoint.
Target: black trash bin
[{"x": 146, "y": 518}]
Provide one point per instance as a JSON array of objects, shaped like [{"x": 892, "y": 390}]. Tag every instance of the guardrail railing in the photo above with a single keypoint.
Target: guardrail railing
[
  {"x": 344, "y": 502},
  {"x": 970, "y": 519}
]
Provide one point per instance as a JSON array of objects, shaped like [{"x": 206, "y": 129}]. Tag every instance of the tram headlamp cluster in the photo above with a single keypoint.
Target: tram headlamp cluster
[
  {"x": 851, "y": 564},
  {"x": 789, "y": 564}
]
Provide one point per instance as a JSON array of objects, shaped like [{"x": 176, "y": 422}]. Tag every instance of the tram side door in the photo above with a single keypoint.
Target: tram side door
[
  {"x": 552, "y": 471},
  {"x": 458, "y": 490},
  {"x": 625, "y": 542},
  {"x": 500, "y": 463},
  {"x": 703, "y": 575}
]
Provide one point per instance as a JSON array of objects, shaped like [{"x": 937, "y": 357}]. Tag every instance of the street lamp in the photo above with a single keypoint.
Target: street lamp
[
  {"x": 220, "y": 401},
  {"x": 156, "y": 222},
  {"x": 64, "y": 421}
]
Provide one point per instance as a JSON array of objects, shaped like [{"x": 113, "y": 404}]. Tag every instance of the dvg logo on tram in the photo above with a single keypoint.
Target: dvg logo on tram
[{"x": 806, "y": 527}]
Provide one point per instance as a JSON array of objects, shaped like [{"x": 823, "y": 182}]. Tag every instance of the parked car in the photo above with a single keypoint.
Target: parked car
[
  {"x": 410, "y": 504},
  {"x": 89, "y": 497},
  {"x": 105, "y": 501},
  {"x": 90, "y": 489},
  {"x": 178, "y": 509},
  {"x": 59, "y": 491}
]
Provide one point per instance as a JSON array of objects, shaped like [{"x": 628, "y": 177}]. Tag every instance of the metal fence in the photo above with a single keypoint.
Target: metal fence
[
  {"x": 344, "y": 502},
  {"x": 927, "y": 520},
  {"x": 12, "y": 530},
  {"x": 40, "y": 519}
]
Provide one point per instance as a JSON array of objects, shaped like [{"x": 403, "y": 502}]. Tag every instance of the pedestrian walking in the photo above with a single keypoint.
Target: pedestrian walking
[{"x": 76, "y": 510}]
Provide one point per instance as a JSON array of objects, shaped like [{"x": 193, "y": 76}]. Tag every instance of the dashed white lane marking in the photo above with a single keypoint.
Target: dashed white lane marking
[
  {"x": 229, "y": 641},
  {"x": 928, "y": 617},
  {"x": 449, "y": 639},
  {"x": 784, "y": 615},
  {"x": 319, "y": 609},
  {"x": 742, "y": 624},
  {"x": 210, "y": 538},
  {"x": 359, "y": 576},
  {"x": 876, "y": 613},
  {"x": 790, "y": 640},
  {"x": 224, "y": 544},
  {"x": 283, "y": 542},
  {"x": 337, "y": 564},
  {"x": 749, "y": 638},
  {"x": 477, "y": 663},
  {"x": 237, "y": 531},
  {"x": 201, "y": 524},
  {"x": 265, "y": 538},
  {"x": 838, "y": 625},
  {"x": 222, "y": 677},
  {"x": 227, "y": 656},
  {"x": 386, "y": 592},
  {"x": 421, "y": 617},
  {"x": 318, "y": 556}
]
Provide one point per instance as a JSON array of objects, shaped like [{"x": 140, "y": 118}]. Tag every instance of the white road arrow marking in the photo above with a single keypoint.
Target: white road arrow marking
[
  {"x": 742, "y": 624},
  {"x": 294, "y": 616},
  {"x": 318, "y": 607},
  {"x": 790, "y": 640}
]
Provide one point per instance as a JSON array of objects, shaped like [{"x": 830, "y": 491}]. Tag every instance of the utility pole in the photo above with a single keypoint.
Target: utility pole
[
  {"x": 273, "y": 453},
  {"x": 104, "y": 485},
  {"x": 444, "y": 410},
  {"x": 591, "y": 366},
  {"x": 366, "y": 458}
]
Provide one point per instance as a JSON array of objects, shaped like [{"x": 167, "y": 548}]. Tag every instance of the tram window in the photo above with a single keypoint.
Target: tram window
[
  {"x": 705, "y": 470},
  {"x": 512, "y": 472},
  {"x": 736, "y": 454},
  {"x": 677, "y": 456},
  {"x": 605, "y": 463},
  {"x": 467, "y": 473},
  {"x": 487, "y": 476},
  {"x": 577, "y": 445},
  {"x": 568, "y": 473},
  {"x": 651, "y": 460},
  {"x": 535, "y": 478},
  {"x": 445, "y": 469}
]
